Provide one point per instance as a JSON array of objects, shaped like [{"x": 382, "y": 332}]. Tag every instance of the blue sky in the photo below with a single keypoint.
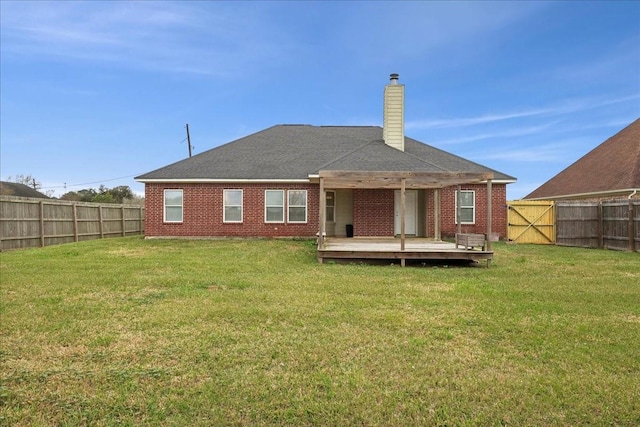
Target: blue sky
[{"x": 98, "y": 92}]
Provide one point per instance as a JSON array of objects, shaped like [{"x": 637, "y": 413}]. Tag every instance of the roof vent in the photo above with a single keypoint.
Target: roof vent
[{"x": 394, "y": 78}]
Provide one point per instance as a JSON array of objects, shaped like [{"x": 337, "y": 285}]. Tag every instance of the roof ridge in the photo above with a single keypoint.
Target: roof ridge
[
  {"x": 326, "y": 126},
  {"x": 426, "y": 161},
  {"x": 348, "y": 126},
  {"x": 459, "y": 157},
  {"x": 347, "y": 154}
]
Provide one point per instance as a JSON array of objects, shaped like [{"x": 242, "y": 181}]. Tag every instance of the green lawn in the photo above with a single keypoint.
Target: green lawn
[{"x": 246, "y": 332}]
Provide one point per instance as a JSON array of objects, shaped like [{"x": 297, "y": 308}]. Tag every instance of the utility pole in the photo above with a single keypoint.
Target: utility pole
[
  {"x": 35, "y": 185},
  {"x": 188, "y": 139}
]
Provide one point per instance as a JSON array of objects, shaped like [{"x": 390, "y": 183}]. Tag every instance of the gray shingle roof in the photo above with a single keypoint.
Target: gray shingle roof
[
  {"x": 19, "y": 190},
  {"x": 296, "y": 151}
]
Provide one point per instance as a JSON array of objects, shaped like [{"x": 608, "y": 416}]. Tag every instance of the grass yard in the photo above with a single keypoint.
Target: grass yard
[{"x": 244, "y": 332}]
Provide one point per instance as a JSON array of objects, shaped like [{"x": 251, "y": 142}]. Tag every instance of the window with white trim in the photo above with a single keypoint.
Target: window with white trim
[
  {"x": 467, "y": 200},
  {"x": 274, "y": 206},
  {"x": 173, "y": 205},
  {"x": 232, "y": 205},
  {"x": 297, "y": 206},
  {"x": 330, "y": 206}
]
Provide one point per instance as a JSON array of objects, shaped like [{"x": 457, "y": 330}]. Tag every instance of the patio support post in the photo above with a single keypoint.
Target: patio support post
[
  {"x": 458, "y": 209},
  {"x": 489, "y": 212},
  {"x": 403, "y": 209},
  {"x": 403, "y": 184},
  {"x": 321, "y": 214},
  {"x": 437, "y": 234}
]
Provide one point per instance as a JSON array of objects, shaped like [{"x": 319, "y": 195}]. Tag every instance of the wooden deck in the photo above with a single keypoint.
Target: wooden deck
[{"x": 380, "y": 248}]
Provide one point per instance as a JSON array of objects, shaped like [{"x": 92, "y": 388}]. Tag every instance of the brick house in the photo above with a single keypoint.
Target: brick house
[{"x": 294, "y": 180}]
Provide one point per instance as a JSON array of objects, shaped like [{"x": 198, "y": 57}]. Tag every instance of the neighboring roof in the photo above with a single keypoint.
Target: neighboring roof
[
  {"x": 610, "y": 168},
  {"x": 294, "y": 152},
  {"x": 19, "y": 190}
]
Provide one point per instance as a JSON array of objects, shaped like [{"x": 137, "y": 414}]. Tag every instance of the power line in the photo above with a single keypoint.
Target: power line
[
  {"x": 89, "y": 183},
  {"x": 110, "y": 179}
]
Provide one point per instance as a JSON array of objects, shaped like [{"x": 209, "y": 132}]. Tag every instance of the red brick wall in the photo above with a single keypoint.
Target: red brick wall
[
  {"x": 373, "y": 212},
  {"x": 448, "y": 214},
  {"x": 203, "y": 212}
]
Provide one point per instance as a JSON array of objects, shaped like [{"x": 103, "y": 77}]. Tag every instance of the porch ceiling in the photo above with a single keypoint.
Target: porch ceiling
[{"x": 393, "y": 179}]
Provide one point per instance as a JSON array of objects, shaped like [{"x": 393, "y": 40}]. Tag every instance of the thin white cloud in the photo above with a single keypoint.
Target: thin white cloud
[
  {"x": 549, "y": 153},
  {"x": 472, "y": 121},
  {"x": 425, "y": 27},
  {"x": 555, "y": 150},
  {"x": 619, "y": 62},
  {"x": 519, "y": 189},
  {"x": 563, "y": 107},
  {"x": 204, "y": 38},
  {"x": 503, "y": 133}
]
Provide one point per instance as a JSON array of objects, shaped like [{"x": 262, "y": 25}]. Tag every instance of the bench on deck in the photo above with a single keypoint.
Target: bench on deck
[{"x": 469, "y": 240}]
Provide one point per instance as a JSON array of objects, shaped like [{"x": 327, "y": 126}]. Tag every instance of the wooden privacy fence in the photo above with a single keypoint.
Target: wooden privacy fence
[
  {"x": 27, "y": 222},
  {"x": 612, "y": 224}
]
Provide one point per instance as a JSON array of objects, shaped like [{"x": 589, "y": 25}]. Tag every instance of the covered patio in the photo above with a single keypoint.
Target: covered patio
[{"x": 467, "y": 247}]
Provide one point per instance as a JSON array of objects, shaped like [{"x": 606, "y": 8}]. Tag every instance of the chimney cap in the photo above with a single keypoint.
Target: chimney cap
[{"x": 394, "y": 77}]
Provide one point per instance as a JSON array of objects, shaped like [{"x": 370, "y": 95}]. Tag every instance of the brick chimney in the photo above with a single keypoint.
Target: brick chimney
[{"x": 393, "y": 117}]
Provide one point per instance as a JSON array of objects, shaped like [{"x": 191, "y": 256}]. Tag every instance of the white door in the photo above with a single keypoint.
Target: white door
[{"x": 410, "y": 214}]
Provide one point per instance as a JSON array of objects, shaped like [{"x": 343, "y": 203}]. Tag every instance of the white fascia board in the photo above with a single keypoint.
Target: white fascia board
[
  {"x": 316, "y": 177},
  {"x": 622, "y": 192},
  {"x": 500, "y": 181},
  {"x": 224, "y": 181}
]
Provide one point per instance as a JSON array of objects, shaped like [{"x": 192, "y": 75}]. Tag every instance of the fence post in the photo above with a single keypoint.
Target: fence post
[
  {"x": 600, "y": 226},
  {"x": 123, "y": 222},
  {"x": 141, "y": 222},
  {"x": 631, "y": 228},
  {"x": 75, "y": 222},
  {"x": 100, "y": 221},
  {"x": 41, "y": 223}
]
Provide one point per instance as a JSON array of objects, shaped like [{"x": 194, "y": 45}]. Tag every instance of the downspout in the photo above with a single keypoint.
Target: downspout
[{"x": 632, "y": 194}]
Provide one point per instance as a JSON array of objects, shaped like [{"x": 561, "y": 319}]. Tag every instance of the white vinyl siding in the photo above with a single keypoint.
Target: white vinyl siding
[
  {"x": 297, "y": 206},
  {"x": 467, "y": 200},
  {"x": 232, "y": 204},
  {"x": 274, "y": 206},
  {"x": 393, "y": 116},
  {"x": 173, "y": 205}
]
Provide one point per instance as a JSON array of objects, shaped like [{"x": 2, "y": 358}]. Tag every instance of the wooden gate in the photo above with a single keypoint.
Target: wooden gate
[{"x": 531, "y": 221}]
